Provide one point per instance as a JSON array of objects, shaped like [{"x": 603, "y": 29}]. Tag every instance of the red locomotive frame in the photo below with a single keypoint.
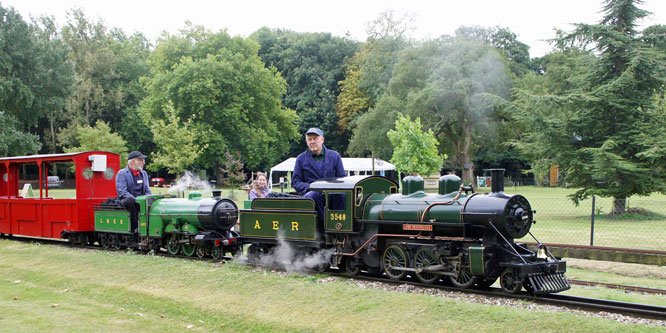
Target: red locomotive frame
[{"x": 43, "y": 216}]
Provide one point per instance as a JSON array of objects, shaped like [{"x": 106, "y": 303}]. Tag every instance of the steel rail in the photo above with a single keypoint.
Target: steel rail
[{"x": 618, "y": 286}]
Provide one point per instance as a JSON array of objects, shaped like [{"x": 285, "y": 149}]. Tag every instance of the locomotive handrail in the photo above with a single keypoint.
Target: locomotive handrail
[
  {"x": 510, "y": 246},
  {"x": 439, "y": 224},
  {"x": 439, "y": 204}
]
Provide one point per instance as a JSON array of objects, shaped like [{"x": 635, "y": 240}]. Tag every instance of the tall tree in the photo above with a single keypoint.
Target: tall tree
[
  {"x": 13, "y": 141},
  {"x": 19, "y": 68},
  {"x": 109, "y": 64},
  {"x": 515, "y": 52},
  {"x": 602, "y": 131},
  {"x": 312, "y": 66},
  {"x": 455, "y": 86},
  {"x": 56, "y": 82},
  {"x": 367, "y": 78},
  {"x": 232, "y": 100},
  {"x": 35, "y": 78},
  {"x": 177, "y": 149}
]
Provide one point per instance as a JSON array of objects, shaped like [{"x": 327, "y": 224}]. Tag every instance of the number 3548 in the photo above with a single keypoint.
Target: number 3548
[{"x": 338, "y": 217}]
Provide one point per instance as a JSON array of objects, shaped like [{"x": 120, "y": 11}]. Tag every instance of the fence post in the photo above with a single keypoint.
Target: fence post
[{"x": 592, "y": 221}]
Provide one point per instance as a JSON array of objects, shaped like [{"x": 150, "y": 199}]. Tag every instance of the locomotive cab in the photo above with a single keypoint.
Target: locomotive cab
[{"x": 345, "y": 198}]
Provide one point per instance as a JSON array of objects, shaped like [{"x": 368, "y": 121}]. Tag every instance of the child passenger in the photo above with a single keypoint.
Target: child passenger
[{"x": 259, "y": 189}]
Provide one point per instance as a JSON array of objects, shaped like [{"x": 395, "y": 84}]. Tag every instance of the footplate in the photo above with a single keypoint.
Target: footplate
[{"x": 547, "y": 283}]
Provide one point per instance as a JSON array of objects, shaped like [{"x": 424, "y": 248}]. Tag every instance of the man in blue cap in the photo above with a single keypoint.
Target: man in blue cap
[
  {"x": 132, "y": 182},
  {"x": 316, "y": 163}
]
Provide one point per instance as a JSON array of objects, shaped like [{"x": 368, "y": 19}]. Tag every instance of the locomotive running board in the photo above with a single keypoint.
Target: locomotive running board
[{"x": 548, "y": 283}]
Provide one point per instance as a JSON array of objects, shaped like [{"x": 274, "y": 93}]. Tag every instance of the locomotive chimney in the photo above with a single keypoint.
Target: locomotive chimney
[
  {"x": 497, "y": 180},
  {"x": 217, "y": 193}
]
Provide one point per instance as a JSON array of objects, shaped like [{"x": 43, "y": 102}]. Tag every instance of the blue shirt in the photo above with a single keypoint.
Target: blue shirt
[
  {"x": 308, "y": 170},
  {"x": 128, "y": 185}
]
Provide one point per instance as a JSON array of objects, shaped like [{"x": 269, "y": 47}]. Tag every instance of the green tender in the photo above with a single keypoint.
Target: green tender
[
  {"x": 112, "y": 221},
  {"x": 297, "y": 225}
]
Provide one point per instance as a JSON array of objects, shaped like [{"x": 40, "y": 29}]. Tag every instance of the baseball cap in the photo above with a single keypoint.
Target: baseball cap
[
  {"x": 135, "y": 154},
  {"x": 315, "y": 130}
]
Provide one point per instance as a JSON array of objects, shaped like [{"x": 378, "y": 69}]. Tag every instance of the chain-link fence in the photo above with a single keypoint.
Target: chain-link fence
[{"x": 642, "y": 226}]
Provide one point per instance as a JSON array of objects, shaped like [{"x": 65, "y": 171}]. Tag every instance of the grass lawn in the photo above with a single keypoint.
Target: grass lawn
[{"x": 55, "y": 288}]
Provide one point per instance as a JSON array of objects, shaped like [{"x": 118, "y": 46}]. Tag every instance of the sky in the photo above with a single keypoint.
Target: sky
[{"x": 534, "y": 21}]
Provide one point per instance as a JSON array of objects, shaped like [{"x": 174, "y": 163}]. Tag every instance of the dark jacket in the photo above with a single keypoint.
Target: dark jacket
[
  {"x": 125, "y": 184},
  {"x": 308, "y": 170}
]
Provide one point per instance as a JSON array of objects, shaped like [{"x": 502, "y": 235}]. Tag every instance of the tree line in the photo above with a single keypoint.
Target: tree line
[{"x": 594, "y": 105}]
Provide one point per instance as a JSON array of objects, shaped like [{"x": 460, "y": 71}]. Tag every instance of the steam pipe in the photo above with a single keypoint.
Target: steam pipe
[{"x": 438, "y": 204}]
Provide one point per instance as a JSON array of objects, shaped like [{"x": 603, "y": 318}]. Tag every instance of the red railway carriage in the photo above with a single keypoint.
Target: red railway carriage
[{"x": 27, "y": 213}]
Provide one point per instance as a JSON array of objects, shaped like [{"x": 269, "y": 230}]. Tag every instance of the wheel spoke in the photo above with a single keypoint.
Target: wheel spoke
[
  {"x": 425, "y": 257},
  {"x": 465, "y": 279},
  {"x": 395, "y": 257},
  {"x": 510, "y": 282},
  {"x": 217, "y": 252},
  {"x": 173, "y": 246}
]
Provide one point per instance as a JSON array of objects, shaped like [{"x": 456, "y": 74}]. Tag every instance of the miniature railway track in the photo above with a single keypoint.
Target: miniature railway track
[
  {"x": 575, "y": 302},
  {"x": 619, "y": 286}
]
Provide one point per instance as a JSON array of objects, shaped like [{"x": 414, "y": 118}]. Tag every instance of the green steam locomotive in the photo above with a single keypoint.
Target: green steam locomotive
[
  {"x": 193, "y": 226},
  {"x": 455, "y": 236}
]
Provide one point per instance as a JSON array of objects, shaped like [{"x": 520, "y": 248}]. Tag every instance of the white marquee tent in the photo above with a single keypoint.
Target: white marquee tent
[{"x": 356, "y": 165}]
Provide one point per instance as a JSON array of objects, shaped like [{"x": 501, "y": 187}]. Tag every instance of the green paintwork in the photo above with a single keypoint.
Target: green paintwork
[
  {"x": 448, "y": 184},
  {"x": 267, "y": 224},
  {"x": 165, "y": 212},
  {"x": 476, "y": 261},
  {"x": 364, "y": 188},
  {"x": 398, "y": 207},
  {"x": 170, "y": 228},
  {"x": 283, "y": 204},
  {"x": 412, "y": 184},
  {"x": 112, "y": 221},
  {"x": 141, "y": 200},
  {"x": 247, "y": 204},
  {"x": 190, "y": 228},
  {"x": 339, "y": 220}
]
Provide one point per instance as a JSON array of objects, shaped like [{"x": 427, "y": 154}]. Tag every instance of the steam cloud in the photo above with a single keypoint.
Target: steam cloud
[
  {"x": 284, "y": 256},
  {"x": 189, "y": 180}
]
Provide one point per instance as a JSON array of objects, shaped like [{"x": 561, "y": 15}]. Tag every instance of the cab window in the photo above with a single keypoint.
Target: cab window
[{"x": 337, "y": 201}]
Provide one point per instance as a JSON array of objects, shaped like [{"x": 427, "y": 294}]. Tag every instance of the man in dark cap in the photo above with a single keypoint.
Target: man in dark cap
[
  {"x": 132, "y": 182},
  {"x": 316, "y": 163}
]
